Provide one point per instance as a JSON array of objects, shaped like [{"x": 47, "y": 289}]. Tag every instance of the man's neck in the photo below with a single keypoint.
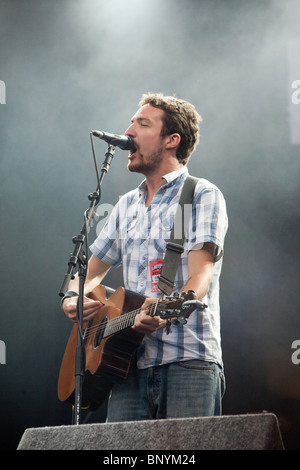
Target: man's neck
[{"x": 155, "y": 181}]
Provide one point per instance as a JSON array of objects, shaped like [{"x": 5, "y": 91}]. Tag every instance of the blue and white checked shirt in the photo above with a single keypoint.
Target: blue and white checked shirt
[{"x": 136, "y": 236}]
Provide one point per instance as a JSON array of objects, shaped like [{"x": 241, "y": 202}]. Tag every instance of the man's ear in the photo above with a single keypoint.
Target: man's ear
[{"x": 172, "y": 141}]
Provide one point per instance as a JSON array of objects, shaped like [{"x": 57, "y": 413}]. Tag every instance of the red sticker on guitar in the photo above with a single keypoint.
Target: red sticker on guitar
[{"x": 155, "y": 270}]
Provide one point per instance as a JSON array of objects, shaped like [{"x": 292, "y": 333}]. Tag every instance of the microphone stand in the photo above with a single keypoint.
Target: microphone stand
[{"x": 79, "y": 257}]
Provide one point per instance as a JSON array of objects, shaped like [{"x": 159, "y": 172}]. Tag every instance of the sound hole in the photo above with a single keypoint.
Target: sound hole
[{"x": 99, "y": 333}]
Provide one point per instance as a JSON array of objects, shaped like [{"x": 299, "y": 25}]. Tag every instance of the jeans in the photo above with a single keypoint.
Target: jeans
[{"x": 185, "y": 389}]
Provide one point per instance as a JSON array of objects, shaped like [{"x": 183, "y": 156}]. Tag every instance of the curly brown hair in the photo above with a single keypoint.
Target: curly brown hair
[{"x": 180, "y": 117}]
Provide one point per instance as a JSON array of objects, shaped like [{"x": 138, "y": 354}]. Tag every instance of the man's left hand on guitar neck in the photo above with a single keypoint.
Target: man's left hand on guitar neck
[{"x": 144, "y": 323}]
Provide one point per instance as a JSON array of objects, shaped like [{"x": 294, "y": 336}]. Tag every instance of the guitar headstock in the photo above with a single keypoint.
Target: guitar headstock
[{"x": 179, "y": 307}]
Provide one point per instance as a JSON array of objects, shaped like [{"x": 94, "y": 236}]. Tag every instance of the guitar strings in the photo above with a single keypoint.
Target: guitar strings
[
  {"x": 122, "y": 319},
  {"x": 102, "y": 325}
]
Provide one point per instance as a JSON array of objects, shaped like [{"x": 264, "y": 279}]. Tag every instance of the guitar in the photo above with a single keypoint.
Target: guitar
[{"x": 110, "y": 343}]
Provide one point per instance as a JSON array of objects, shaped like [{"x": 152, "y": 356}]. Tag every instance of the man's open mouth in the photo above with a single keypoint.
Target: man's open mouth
[{"x": 132, "y": 151}]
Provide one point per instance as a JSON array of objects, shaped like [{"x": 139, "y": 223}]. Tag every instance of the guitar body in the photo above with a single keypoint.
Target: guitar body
[
  {"x": 110, "y": 343},
  {"x": 107, "y": 359}
]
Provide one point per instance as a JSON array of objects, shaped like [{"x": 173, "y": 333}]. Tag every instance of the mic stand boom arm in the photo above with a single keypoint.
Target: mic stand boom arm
[{"x": 79, "y": 257}]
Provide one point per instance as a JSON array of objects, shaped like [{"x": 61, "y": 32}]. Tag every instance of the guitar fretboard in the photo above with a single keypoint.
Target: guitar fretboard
[{"x": 126, "y": 320}]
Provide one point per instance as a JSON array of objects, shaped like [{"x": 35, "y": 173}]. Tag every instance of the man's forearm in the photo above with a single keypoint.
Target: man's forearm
[
  {"x": 199, "y": 284},
  {"x": 96, "y": 272},
  {"x": 200, "y": 268}
]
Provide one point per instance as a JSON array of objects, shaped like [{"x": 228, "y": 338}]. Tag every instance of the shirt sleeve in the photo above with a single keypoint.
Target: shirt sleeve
[
  {"x": 107, "y": 246},
  {"x": 209, "y": 220}
]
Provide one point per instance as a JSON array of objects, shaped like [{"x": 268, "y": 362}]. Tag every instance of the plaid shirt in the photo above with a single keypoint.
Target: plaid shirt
[{"x": 136, "y": 236}]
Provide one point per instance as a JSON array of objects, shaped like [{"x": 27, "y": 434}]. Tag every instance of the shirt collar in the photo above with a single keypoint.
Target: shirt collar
[
  {"x": 169, "y": 177},
  {"x": 174, "y": 174}
]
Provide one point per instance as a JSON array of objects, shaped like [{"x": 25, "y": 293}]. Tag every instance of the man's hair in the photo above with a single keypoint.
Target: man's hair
[{"x": 180, "y": 117}]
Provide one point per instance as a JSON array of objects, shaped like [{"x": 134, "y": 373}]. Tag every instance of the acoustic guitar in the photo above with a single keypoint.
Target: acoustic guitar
[{"x": 110, "y": 343}]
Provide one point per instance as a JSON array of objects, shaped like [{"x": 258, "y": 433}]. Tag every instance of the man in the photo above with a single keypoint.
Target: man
[{"x": 178, "y": 373}]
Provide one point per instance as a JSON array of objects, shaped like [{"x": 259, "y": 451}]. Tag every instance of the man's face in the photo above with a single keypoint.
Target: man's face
[{"x": 145, "y": 131}]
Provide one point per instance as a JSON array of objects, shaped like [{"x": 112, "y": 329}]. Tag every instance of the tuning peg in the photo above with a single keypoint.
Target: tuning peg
[
  {"x": 168, "y": 327},
  {"x": 195, "y": 303}
]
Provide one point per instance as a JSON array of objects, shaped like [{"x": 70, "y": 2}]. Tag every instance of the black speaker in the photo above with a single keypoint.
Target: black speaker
[{"x": 237, "y": 432}]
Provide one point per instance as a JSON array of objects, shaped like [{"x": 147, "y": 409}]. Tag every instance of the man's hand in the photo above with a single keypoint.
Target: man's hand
[
  {"x": 97, "y": 270},
  {"x": 90, "y": 308},
  {"x": 144, "y": 323}
]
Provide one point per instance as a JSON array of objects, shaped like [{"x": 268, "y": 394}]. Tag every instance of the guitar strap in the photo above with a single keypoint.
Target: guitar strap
[{"x": 174, "y": 247}]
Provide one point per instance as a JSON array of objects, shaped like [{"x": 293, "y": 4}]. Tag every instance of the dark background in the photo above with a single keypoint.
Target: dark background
[{"x": 71, "y": 66}]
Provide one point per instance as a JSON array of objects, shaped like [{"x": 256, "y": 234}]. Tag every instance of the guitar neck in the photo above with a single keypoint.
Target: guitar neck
[{"x": 126, "y": 320}]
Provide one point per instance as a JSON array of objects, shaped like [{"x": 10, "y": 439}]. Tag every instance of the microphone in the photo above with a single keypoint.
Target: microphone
[{"x": 123, "y": 141}]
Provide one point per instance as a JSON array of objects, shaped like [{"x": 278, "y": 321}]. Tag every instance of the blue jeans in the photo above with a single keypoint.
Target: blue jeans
[{"x": 179, "y": 390}]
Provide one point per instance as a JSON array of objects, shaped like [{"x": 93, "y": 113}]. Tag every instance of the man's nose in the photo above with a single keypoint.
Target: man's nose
[{"x": 130, "y": 130}]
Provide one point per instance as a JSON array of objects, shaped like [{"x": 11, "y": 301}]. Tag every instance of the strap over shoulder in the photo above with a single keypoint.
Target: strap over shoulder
[{"x": 175, "y": 245}]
